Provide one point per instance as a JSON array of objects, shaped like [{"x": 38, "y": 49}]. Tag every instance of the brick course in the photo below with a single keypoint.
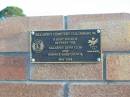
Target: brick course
[
  {"x": 99, "y": 90},
  {"x": 12, "y": 68},
  {"x": 67, "y": 72},
  {"x": 31, "y": 90},
  {"x": 118, "y": 66}
]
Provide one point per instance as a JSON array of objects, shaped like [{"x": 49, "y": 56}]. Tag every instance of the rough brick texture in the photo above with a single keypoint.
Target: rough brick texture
[
  {"x": 108, "y": 78},
  {"x": 118, "y": 66},
  {"x": 15, "y": 31},
  {"x": 31, "y": 90},
  {"x": 67, "y": 72},
  {"x": 95, "y": 90},
  {"x": 115, "y": 29},
  {"x": 12, "y": 68}
]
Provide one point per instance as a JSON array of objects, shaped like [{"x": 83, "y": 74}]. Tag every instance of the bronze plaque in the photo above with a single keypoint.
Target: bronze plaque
[{"x": 66, "y": 46}]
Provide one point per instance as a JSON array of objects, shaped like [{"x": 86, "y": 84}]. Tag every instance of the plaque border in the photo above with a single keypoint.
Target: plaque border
[{"x": 95, "y": 62}]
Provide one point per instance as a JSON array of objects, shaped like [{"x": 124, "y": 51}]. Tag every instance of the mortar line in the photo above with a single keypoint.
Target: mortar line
[
  {"x": 66, "y": 81},
  {"x": 114, "y": 52},
  {"x": 14, "y": 53},
  {"x": 66, "y": 89},
  {"x": 65, "y": 23},
  {"x": 52, "y": 80},
  {"x": 28, "y": 67},
  {"x": 104, "y": 68},
  {"x": 30, "y": 71}
]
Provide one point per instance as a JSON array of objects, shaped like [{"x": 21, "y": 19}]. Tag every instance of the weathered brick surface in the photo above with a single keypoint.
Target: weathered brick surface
[
  {"x": 46, "y": 23},
  {"x": 95, "y": 90},
  {"x": 13, "y": 37},
  {"x": 12, "y": 67},
  {"x": 115, "y": 37},
  {"x": 13, "y": 26},
  {"x": 15, "y": 31},
  {"x": 31, "y": 90},
  {"x": 118, "y": 66},
  {"x": 115, "y": 29},
  {"x": 67, "y": 72}
]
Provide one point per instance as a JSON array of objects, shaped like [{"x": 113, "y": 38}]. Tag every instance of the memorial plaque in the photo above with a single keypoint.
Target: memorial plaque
[{"x": 65, "y": 46}]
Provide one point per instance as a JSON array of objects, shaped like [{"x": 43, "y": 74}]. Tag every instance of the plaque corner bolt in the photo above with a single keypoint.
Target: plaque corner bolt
[
  {"x": 98, "y": 31},
  {"x": 32, "y": 32},
  {"x": 33, "y": 60},
  {"x": 98, "y": 59}
]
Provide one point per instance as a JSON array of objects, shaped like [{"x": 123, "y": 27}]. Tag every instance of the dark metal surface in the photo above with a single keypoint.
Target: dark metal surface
[{"x": 66, "y": 46}]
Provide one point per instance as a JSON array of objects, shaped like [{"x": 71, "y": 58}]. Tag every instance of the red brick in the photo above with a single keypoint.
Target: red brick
[
  {"x": 67, "y": 71},
  {"x": 99, "y": 90},
  {"x": 31, "y": 90},
  {"x": 115, "y": 34},
  {"x": 118, "y": 66},
  {"x": 46, "y": 23},
  {"x": 12, "y": 68},
  {"x": 15, "y": 31},
  {"x": 13, "y": 26}
]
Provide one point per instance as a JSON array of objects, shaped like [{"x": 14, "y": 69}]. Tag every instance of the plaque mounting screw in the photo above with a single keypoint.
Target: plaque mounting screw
[
  {"x": 32, "y": 33},
  {"x": 98, "y": 31},
  {"x": 98, "y": 59},
  {"x": 33, "y": 60}
]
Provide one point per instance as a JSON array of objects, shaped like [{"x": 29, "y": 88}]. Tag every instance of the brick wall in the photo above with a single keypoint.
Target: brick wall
[{"x": 109, "y": 78}]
